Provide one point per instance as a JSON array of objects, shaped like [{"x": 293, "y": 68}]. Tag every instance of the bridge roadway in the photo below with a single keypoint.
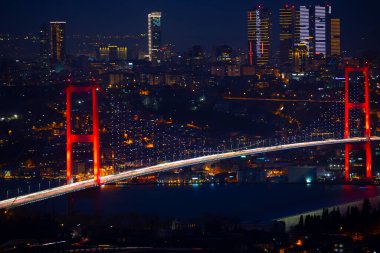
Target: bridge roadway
[{"x": 79, "y": 186}]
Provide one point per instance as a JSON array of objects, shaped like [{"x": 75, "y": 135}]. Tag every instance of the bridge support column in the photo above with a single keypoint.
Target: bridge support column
[
  {"x": 365, "y": 107},
  {"x": 91, "y": 138}
]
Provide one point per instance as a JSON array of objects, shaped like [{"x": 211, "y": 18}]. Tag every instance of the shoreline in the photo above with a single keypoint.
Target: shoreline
[{"x": 293, "y": 220}]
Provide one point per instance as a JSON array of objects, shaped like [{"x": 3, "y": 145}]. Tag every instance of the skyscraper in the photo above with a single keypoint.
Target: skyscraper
[
  {"x": 320, "y": 36},
  {"x": 305, "y": 27},
  {"x": 288, "y": 34},
  {"x": 334, "y": 37},
  {"x": 57, "y": 42},
  {"x": 154, "y": 36},
  {"x": 314, "y": 29},
  {"x": 307, "y": 32},
  {"x": 259, "y": 35},
  {"x": 44, "y": 45}
]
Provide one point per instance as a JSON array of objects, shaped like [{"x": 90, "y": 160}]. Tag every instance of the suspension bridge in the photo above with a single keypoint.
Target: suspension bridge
[{"x": 309, "y": 138}]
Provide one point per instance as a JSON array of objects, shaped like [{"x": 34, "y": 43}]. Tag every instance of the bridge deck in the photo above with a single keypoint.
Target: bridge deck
[{"x": 62, "y": 190}]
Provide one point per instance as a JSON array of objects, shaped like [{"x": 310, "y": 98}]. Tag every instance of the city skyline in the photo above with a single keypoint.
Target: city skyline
[
  {"x": 189, "y": 125},
  {"x": 207, "y": 29}
]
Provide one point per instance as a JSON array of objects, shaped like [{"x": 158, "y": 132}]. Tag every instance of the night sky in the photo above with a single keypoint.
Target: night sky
[{"x": 186, "y": 22}]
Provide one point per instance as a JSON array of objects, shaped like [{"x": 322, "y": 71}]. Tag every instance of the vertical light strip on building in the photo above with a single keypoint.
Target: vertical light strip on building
[{"x": 258, "y": 34}]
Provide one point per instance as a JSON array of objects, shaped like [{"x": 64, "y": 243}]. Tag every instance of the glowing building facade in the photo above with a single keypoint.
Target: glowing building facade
[
  {"x": 307, "y": 32},
  {"x": 334, "y": 43},
  {"x": 112, "y": 53},
  {"x": 320, "y": 37},
  {"x": 259, "y": 36},
  {"x": 288, "y": 33},
  {"x": 154, "y": 36},
  {"x": 315, "y": 29},
  {"x": 57, "y": 42}
]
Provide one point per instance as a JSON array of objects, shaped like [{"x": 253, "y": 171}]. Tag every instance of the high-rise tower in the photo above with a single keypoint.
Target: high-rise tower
[
  {"x": 322, "y": 14},
  {"x": 288, "y": 34},
  {"x": 57, "y": 42},
  {"x": 259, "y": 35},
  {"x": 333, "y": 44},
  {"x": 154, "y": 36},
  {"x": 314, "y": 29}
]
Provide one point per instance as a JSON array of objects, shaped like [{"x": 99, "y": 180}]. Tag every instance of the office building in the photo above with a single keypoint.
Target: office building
[
  {"x": 259, "y": 36},
  {"x": 322, "y": 14},
  {"x": 112, "y": 53},
  {"x": 334, "y": 46},
  {"x": 315, "y": 29},
  {"x": 57, "y": 42},
  {"x": 306, "y": 33},
  {"x": 288, "y": 34},
  {"x": 306, "y": 24},
  {"x": 154, "y": 36}
]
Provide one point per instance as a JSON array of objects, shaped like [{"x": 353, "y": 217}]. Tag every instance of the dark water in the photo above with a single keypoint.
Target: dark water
[{"x": 253, "y": 203}]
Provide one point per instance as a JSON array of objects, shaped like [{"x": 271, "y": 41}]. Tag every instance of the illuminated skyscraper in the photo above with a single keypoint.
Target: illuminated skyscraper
[
  {"x": 154, "y": 36},
  {"x": 304, "y": 26},
  {"x": 334, "y": 39},
  {"x": 57, "y": 42},
  {"x": 307, "y": 32},
  {"x": 320, "y": 37},
  {"x": 44, "y": 46},
  {"x": 288, "y": 33},
  {"x": 314, "y": 29},
  {"x": 259, "y": 36}
]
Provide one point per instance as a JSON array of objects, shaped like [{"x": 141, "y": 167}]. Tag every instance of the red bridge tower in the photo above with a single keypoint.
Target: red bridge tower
[
  {"x": 367, "y": 129},
  {"x": 90, "y": 138}
]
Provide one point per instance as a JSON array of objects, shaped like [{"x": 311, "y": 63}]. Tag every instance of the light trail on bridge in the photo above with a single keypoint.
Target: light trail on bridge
[
  {"x": 79, "y": 186},
  {"x": 282, "y": 100}
]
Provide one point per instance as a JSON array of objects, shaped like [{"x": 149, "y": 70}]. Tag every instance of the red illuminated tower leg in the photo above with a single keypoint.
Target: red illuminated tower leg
[
  {"x": 367, "y": 125},
  {"x": 368, "y": 152},
  {"x": 69, "y": 146},
  {"x": 347, "y": 127},
  {"x": 366, "y": 106},
  {"x": 95, "y": 133}
]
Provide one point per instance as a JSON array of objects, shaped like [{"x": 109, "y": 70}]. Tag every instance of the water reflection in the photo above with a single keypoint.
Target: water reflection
[{"x": 248, "y": 202}]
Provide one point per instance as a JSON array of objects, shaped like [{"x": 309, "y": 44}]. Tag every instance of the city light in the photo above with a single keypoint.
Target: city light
[{"x": 174, "y": 130}]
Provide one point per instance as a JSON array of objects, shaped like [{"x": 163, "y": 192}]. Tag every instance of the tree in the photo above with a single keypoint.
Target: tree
[{"x": 301, "y": 223}]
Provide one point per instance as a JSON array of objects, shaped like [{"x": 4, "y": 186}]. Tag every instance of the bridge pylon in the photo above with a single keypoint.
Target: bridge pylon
[
  {"x": 365, "y": 107},
  {"x": 88, "y": 138}
]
